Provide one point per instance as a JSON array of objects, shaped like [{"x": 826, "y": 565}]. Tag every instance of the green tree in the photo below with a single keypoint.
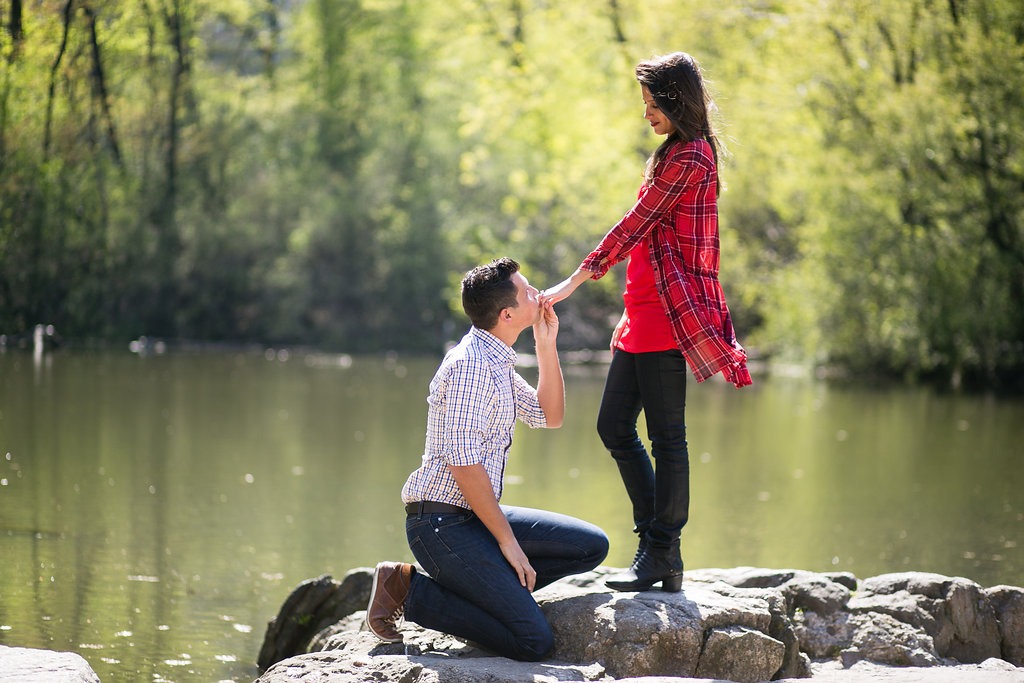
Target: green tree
[
  {"x": 926, "y": 127},
  {"x": 322, "y": 171}
]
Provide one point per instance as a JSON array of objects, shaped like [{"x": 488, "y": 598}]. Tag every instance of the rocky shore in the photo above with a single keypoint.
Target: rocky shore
[{"x": 744, "y": 624}]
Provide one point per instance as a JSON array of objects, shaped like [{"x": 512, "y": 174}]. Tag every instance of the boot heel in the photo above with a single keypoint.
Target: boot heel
[{"x": 672, "y": 583}]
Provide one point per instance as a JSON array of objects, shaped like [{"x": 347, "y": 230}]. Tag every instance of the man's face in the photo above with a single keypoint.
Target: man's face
[{"x": 527, "y": 310}]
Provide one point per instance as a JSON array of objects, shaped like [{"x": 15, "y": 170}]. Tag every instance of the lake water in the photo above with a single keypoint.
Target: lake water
[{"x": 156, "y": 511}]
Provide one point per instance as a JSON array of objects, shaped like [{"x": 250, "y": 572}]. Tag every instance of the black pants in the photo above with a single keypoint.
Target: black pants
[{"x": 655, "y": 383}]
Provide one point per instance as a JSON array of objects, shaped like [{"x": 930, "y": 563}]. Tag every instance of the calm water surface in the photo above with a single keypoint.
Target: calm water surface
[{"x": 155, "y": 512}]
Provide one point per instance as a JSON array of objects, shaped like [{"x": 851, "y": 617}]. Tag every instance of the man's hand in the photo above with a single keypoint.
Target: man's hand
[
  {"x": 545, "y": 330},
  {"x": 517, "y": 559},
  {"x": 550, "y": 385},
  {"x": 476, "y": 488}
]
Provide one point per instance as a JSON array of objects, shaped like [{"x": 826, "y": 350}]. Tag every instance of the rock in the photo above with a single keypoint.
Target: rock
[
  {"x": 740, "y": 654},
  {"x": 357, "y": 656},
  {"x": 26, "y": 665},
  {"x": 314, "y": 605},
  {"x": 843, "y": 579},
  {"x": 915, "y": 610},
  {"x": 955, "y": 612},
  {"x": 743, "y": 624},
  {"x": 746, "y": 577},
  {"x": 918, "y": 583},
  {"x": 989, "y": 671},
  {"x": 815, "y": 593},
  {"x": 975, "y": 628},
  {"x": 882, "y": 639},
  {"x": 1008, "y": 602},
  {"x": 660, "y": 634},
  {"x": 795, "y": 664},
  {"x": 823, "y": 636}
]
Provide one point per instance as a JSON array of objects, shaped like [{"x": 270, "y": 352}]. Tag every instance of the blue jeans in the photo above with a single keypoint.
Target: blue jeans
[{"x": 472, "y": 592}]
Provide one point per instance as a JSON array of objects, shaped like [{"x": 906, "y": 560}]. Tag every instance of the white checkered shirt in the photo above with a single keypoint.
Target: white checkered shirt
[{"x": 475, "y": 397}]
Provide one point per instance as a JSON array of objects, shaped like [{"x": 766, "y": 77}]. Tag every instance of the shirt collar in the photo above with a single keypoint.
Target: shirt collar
[{"x": 498, "y": 351}]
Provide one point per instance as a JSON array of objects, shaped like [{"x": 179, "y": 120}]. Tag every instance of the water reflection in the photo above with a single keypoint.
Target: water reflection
[{"x": 155, "y": 511}]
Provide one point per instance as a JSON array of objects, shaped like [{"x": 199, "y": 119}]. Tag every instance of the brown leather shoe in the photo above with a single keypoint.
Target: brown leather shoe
[{"x": 387, "y": 600}]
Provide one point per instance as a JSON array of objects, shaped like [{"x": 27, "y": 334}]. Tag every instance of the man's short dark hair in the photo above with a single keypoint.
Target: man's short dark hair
[{"x": 487, "y": 290}]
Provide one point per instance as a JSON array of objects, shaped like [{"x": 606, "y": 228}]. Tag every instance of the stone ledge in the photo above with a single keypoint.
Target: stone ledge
[
  {"x": 744, "y": 624},
  {"x": 27, "y": 665}
]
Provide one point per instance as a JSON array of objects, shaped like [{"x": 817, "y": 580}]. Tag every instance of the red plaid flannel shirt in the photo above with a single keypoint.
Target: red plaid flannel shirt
[{"x": 679, "y": 211}]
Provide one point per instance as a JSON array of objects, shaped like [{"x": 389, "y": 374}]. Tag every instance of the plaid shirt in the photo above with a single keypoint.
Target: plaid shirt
[
  {"x": 475, "y": 397},
  {"x": 678, "y": 211}
]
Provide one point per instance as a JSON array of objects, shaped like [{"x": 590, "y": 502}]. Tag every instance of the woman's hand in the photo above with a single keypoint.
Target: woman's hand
[
  {"x": 565, "y": 288},
  {"x": 559, "y": 292},
  {"x": 617, "y": 332}
]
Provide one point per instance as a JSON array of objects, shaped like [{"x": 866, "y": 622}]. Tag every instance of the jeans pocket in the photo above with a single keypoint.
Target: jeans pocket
[
  {"x": 444, "y": 538},
  {"x": 423, "y": 557}
]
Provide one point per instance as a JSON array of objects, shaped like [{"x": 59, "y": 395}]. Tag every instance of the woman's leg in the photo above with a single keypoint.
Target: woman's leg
[
  {"x": 616, "y": 425},
  {"x": 662, "y": 381},
  {"x": 661, "y": 385}
]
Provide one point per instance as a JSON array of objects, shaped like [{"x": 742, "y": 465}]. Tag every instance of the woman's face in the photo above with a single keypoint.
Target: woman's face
[{"x": 659, "y": 122}]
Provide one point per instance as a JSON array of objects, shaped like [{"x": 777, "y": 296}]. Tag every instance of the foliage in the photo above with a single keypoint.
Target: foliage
[
  {"x": 322, "y": 171},
  {"x": 922, "y": 193}
]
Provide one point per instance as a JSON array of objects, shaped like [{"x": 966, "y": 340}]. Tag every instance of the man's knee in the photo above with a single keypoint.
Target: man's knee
[
  {"x": 591, "y": 549},
  {"x": 602, "y": 549},
  {"x": 536, "y": 646}
]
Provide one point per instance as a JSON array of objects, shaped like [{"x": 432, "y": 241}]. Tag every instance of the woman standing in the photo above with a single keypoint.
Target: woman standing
[{"x": 675, "y": 313}]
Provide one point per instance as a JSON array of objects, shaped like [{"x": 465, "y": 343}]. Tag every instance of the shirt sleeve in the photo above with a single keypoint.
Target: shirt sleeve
[
  {"x": 470, "y": 391},
  {"x": 681, "y": 170},
  {"x": 527, "y": 404}
]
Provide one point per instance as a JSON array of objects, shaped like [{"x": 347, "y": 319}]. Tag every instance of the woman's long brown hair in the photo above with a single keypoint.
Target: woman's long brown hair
[{"x": 677, "y": 86}]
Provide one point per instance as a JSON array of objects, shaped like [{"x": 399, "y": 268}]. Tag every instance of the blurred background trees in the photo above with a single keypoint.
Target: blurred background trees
[{"x": 321, "y": 172}]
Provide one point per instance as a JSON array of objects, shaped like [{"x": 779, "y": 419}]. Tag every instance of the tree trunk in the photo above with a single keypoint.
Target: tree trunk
[{"x": 99, "y": 85}]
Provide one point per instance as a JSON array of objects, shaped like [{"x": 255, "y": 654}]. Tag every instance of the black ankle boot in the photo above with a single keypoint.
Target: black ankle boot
[
  {"x": 651, "y": 566},
  {"x": 641, "y": 546}
]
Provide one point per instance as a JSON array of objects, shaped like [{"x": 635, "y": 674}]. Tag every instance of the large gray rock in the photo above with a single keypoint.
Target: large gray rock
[
  {"x": 696, "y": 632},
  {"x": 25, "y": 665},
  {"x": 1008, "y": 602},
  {"x": 736, "y": 653},
  {"x": 314, "y": 605},
  {"x": 989, "y": 671},
  {"x": 363, "y": 659},
  {"x": 824, "y": 636},
  {"x": 744, "y": 624},
  {"x": 881, "y": 638},
  {"x": 795, "y": 664},
  {"x": 955, "y": 612},
  {"x": 815, "y": 593}
]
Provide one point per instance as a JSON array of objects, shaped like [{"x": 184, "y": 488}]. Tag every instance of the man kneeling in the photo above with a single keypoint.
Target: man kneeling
[{"x": 482, "y": 560}]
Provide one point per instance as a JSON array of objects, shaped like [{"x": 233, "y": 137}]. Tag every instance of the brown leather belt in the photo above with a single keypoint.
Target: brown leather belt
[{"x": 426, "y": 507}]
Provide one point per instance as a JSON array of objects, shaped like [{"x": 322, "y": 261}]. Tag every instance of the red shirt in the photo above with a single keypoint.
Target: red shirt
[
  {"x": 647, "y": 327},
  {"x": 677, "y": 213}
]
